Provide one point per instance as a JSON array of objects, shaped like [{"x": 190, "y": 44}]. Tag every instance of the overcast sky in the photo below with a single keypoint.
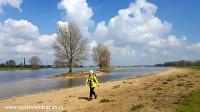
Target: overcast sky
[{"x": 136, "y": 31}]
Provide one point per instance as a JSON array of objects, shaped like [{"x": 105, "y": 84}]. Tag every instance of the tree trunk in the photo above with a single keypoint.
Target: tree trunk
[
  {"x": 100, "y": 66},
  {"x": 70, "y": 66},
  {"x": 70, "y": 69}
]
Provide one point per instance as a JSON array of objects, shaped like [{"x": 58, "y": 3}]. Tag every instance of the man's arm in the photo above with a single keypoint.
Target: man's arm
[
  {"x": 97, "y": 82},
  {"x": 87, "y": 80}
]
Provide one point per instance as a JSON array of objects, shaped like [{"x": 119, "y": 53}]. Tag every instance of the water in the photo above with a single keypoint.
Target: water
[{"x": 25, "y": 82}]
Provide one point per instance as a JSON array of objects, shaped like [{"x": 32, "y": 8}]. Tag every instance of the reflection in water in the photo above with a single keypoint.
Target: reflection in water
[
  {"x": 18, "y": 83},
  {"x": 70, "y": 82}
]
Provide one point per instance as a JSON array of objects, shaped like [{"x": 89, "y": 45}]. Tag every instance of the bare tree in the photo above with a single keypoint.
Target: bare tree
[
  {"x": 59, "y": 64},
  {"x": 35, "y": 62},
  {"x": 101, "y": 55},
  {"x": 70, "y": 45}
]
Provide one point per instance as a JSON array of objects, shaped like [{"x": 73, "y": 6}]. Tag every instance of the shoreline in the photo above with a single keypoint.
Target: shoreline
[
  {"x": 75, "y": 75},
  {"x": 143, "y": 89},
  {"x": 63, "y": 87},
  {"x": 57, "y": 78}
]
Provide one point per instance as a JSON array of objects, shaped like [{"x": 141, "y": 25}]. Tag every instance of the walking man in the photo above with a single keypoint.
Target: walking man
[{"x": 93, "y": 82}]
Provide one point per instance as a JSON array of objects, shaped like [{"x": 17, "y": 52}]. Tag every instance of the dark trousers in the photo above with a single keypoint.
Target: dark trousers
[{"x": 92, "y": 92}]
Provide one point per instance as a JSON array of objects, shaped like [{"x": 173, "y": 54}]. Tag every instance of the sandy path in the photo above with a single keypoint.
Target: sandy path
[{"x": 160, "y": 92}]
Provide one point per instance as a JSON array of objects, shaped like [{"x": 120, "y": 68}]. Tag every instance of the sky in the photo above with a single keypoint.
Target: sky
[{"x": 137, "y": 31}]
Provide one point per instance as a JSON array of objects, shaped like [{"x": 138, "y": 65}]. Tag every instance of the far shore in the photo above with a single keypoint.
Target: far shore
[
  {"x": 158, "y": 92},
  {"x": 29, "y": 68},
  {"x": 79, "y": 74}
]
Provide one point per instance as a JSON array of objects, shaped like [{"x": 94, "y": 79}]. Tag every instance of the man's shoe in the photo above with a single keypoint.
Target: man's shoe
[
  {"x": 90, "y": 99},
  {"x": 95, "y": 96}
]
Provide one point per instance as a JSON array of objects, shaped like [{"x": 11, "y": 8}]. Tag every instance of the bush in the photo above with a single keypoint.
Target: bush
[
  {"x": 115, "y": 87},
  {"x": 170, "y": 79},
  {"x": 136, "y": 107},
  {"x": 165, "y": 82},
  {"x": 180, "y": 84},
  {"x": 104, "y": 100}
]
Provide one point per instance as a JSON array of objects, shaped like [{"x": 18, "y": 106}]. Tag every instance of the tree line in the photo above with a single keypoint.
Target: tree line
[
  {"x": 181, "y": 63},
  {"x": 34, "y": 63}
]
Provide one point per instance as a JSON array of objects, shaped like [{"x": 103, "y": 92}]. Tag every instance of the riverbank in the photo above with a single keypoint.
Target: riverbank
[
  {"x": 113, "y": 68},
  {"x": 80, "y": 74},
  {"x": 158, "y": 92},
  {"x": 22, "y": 68}
]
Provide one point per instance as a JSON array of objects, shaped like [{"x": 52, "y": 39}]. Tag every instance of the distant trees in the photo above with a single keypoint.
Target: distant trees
[
  {"x": 70, "y": 45},
  {"x": 181, "y": 63},
  {"x": 60, "y": 64},
  {"x": 101, "y": 55},
  {"x": 35, "y": 62},
  {"x": 197, "y": 63},
  {"x": 11, "y": 63}
]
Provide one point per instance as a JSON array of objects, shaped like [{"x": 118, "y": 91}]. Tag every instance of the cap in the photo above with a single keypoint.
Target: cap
[{"x": 91, "y": 71}]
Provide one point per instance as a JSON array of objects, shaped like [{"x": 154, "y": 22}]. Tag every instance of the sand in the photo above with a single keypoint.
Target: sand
[{"x": 158, "y": 92}]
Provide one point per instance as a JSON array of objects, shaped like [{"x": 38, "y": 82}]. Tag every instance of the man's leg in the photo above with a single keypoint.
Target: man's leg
[
  {"x": 91, "y": 92},
  {"x": 94, "y": 93}
]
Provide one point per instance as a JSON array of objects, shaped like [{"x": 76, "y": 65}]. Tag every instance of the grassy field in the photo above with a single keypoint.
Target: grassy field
[
  {"x": 191, "y": 104},
  {"x": 194, "y": 67},
  {"x": 191, "y": 67}
]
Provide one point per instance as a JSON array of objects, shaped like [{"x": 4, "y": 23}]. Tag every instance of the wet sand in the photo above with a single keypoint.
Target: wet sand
[{"x": 158, "y": 92}]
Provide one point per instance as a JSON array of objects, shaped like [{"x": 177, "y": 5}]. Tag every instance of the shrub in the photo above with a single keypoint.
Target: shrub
[
  {"x": 180, "y": 84},
  {"x": 115, "y": 87},
  {"x": 170, "y": 79},
  {"x": 136, "y": 107},
  {"x": 165, "y": 82},
  {"x": 104, "y": 100}
]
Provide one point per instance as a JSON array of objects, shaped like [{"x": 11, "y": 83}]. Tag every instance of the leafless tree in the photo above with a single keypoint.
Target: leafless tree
[
  {"x": 101, "y": 55},
  {"x": 35, "y": 62},
  {"x": 70, "y": 45},
  {"x": 60, "y": 64}
]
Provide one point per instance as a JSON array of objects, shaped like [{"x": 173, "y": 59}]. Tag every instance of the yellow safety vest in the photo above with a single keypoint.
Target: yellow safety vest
[{"x": 93, "y": 80}]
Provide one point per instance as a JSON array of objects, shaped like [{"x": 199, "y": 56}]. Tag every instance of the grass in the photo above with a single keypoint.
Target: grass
[
  {"x": 170, "y": 79},
  {"x": 180, "y": 84},
  {"x": 136, "y": 107},
  {"x": 158, "y": 94},
  {"x": 193, "y": 67},
  {"x": 191, "y": 104},
  {"x": 105, "y": 100},
  {"x": 165, "y": 82},
  {"x": 115, "y": 87},
  {"x": 197, "y": 76},
  {"x": 159, "y": 88}
]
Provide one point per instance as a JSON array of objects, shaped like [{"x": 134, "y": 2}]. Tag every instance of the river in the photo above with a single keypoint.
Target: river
[{"x": 15, "y": 83}]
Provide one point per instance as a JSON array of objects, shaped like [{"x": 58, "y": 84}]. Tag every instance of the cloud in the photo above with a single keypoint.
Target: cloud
[
  {"x": 194, "y": 47},
  {"x": 169, "y": 41},
  {"x": 20, "y": 38},
  {"x": 141, "y": 30},
  {"x": 11, "y": 3},
  {"x": 79, "y": 12},
  {"x": 133, "y": 29},
  {"x": 138, "y": 25}
]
